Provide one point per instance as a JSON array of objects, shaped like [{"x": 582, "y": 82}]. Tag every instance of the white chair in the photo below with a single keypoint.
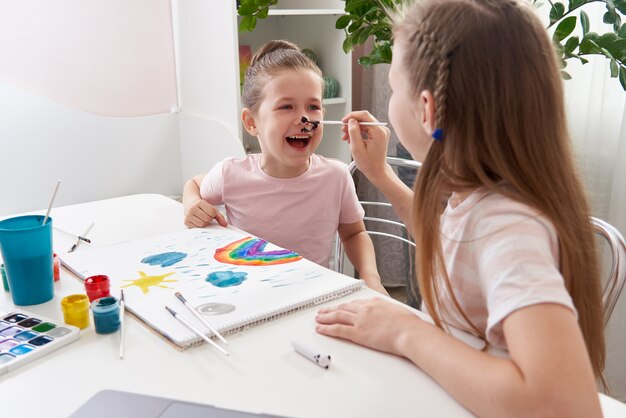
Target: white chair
[
  {"x": 617, "y": 274},
  {"x": 393, "y": 229}
]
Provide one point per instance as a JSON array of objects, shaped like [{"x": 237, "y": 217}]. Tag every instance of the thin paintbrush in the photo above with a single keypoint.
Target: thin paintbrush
[
  {"x": 338, "y": 122},
  {"x": 82, "y": 238},
  {"x": 197, "y": 315},
  {"x": 56, "y": 189},
  {"x": 195, "y": 330},
  {"x": 122, "y": 327}
]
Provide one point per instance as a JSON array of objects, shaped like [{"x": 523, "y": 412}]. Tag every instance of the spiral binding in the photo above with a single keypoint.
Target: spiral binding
[{"x": 250, "y": 322}]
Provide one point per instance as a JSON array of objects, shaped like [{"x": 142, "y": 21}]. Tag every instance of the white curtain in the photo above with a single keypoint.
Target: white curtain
[{"x": 596, "y": 106}]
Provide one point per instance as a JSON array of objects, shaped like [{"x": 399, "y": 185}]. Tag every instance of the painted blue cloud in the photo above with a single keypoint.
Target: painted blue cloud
[
  {"x": 226, "y": 278},
  {"x": 164, "y": 259}
]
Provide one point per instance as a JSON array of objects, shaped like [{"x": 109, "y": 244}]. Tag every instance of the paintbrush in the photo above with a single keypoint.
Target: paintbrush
[
  {"x": 338, "y": 122},
  {"x": 82, "y": 238},
  {"x": 56, "y": 189},
  {"x": 197, "y": 315},
  {"x": 122, "y": 326},
  {"x": 195, "y": 330}
]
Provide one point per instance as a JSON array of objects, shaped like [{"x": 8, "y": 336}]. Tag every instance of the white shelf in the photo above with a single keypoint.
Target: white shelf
[
  {"x": 303, "y": 12},
  {"x": 334, "y": 100}
]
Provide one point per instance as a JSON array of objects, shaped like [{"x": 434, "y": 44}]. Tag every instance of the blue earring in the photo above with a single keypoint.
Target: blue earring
[{"x": 437, "y": 134}]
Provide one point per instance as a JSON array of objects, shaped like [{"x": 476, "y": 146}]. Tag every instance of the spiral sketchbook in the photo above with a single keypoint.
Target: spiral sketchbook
[{"x": 233, "y": 279}]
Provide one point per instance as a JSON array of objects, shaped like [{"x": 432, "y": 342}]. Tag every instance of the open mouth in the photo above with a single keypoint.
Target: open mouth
[{"x": 299, "y": 141}]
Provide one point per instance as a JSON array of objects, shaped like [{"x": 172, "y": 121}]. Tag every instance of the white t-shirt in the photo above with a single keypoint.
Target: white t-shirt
[
  {"x": 300, "y": 214},
  {"x": 501, "y": 255}
]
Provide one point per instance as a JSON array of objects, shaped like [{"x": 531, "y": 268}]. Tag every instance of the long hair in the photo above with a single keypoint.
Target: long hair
[
  {"x": 499, "y": 101},
  {"x": 271, "y": 59}
]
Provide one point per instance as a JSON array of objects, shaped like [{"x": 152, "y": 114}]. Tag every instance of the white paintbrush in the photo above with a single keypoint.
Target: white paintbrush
[{"x": 56, "y": 189}]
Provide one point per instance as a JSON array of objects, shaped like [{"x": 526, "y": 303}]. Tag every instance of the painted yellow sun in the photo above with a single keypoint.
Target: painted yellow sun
[{"x": 144, "y": 282}]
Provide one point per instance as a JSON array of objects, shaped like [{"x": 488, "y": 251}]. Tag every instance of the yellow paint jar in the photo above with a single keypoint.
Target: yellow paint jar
[{"x": 76, "y": 310}]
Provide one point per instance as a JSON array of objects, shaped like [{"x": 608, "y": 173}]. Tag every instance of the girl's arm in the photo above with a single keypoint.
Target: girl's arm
[
  {"x": 198, "y": 213},
  {"x": 370, "y": 157},
  {"x": 548, "y": 374},
  {"x": 360, "y": 252}
]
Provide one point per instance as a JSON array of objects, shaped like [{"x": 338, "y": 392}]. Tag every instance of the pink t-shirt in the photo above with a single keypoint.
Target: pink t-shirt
[
  {"x": 501, "y": 255},
  {"x": 300, "y": 214}
]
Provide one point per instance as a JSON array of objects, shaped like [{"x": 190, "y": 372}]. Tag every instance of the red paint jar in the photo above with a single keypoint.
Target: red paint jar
[
  {"x": 56, "y": 267},
  {"x": 97, "y": 287}
]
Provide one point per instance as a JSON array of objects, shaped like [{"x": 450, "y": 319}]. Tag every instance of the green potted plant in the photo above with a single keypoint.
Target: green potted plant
[{"x": 368, "y": 18}]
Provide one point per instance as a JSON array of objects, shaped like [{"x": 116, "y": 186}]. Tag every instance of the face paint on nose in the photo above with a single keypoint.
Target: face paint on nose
[{"x": 314, "y": 124}]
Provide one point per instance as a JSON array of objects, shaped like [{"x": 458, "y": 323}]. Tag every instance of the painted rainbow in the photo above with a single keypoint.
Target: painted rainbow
[{"x": 249, "y": 251}]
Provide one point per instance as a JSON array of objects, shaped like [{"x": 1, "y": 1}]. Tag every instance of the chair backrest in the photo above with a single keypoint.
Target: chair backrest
[
  {"x": 396, "y": 231},
  {"x": 617, "y": 273}
]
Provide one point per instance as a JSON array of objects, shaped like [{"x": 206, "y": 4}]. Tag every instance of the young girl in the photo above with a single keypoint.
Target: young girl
[
  {"x": 510, "y": 257},
  {"x": 286, "y": 195}
]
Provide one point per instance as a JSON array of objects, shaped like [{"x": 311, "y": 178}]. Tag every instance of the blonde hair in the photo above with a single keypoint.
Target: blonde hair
[
  {"x": 269, "y": 60},
  {"x": 499, "y": 101}
]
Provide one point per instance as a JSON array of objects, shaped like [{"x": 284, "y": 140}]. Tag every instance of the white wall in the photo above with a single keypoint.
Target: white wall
[
  {"x": 208, "y": 88},
  {"x": 108, "y": 57},
  {"x": 86, "y": 90}
]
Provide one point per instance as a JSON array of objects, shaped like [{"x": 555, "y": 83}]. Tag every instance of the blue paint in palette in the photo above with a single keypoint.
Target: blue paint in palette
[
  {"x": 21, "y": 349},
  {"x": 25, "y": 337},
  {"x": 164, "y": 259}
]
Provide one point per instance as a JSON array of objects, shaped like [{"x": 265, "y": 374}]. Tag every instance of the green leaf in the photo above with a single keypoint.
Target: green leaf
[
  {"x": 556, "y": 12},
  {"x": 620, "y": 5},
  {"x": 622, "y": 31},
  {"x": 606, "y": 53},
  {"x": 571, "y": 45},
  {"x": 386, "y": 52},
  {"x": 565, "y": 28},
  {"x": 354, "y": 26},
  {"x": 355, "y": 4},
  {"x": 614, "y": 68},
  {"x": 246, "y": 9},
  {"x": 263, "y": 13},
  {"x": 584, "y": 21},
  {"x": 362, "y": 37},
  {"x": 347, "y": 44},
  {"x": 247, "y": 23},
  {"x": 576, "y": 3},
  {"x": 609, "y": 18},
  {"x": 372, "y": 10},
  {"x": 618, "y": 49},
  {"x": 622, "y": 77},
  {"x": 565, "y": 75},
  {"x": 617, "y": 23},
  {"x": 589, "y": 45},
  {"x": 365, "y": 61},
  {"x": 607, "y": 39},
  {"x": 343, "y": 21}
]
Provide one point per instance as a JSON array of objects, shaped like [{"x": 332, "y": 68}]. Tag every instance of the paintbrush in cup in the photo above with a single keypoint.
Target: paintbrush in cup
[{"x": 56, "y": 189}]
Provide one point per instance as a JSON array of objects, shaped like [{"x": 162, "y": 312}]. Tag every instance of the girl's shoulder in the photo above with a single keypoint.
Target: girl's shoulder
[
  {"x": 247, "y": 163},
  {"x": 492, "y": 211}
]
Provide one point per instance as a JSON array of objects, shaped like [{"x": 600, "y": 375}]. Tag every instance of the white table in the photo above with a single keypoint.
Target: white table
[{"x": 262, "y": 374}]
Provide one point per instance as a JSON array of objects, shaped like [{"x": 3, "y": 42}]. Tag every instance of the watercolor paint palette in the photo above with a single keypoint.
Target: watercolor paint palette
[{"x": 25, "y": 337}]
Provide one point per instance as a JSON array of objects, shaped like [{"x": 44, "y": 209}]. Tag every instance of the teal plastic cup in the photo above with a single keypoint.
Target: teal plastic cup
[{"x": 26, "y": 247}]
